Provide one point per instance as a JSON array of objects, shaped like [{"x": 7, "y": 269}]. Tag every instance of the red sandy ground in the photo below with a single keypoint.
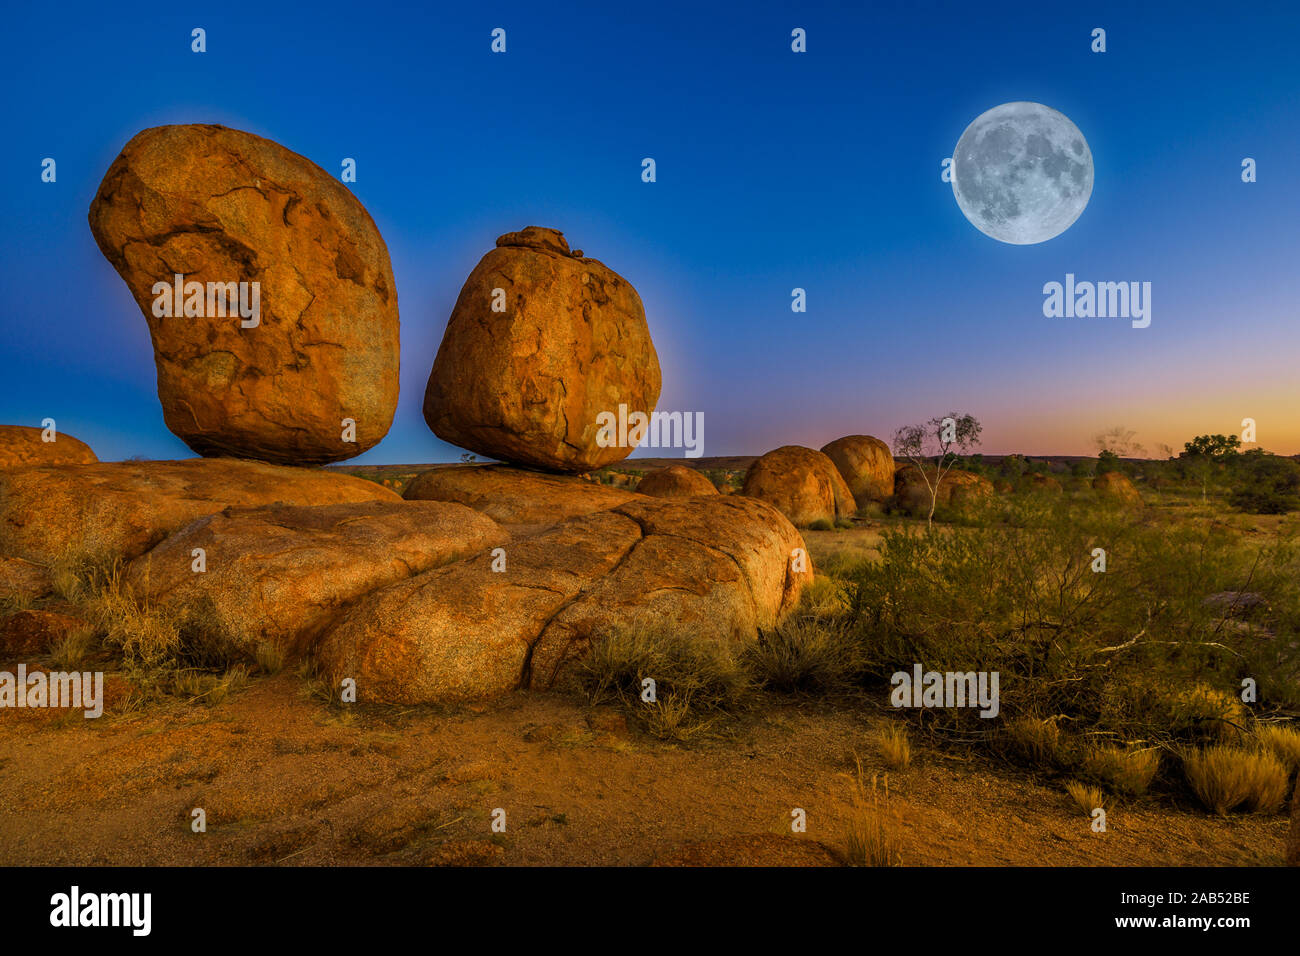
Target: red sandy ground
[{"x": 286, "y": 779}]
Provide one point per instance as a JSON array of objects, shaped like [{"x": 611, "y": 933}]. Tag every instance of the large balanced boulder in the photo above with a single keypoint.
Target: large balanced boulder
[
  {"x": 281, "y": 574},
  {"x": 23, "y": 445},
  {"x": 541, "y": 344},
  {"x": 717, "y": 568},
  {"x": 52, "y": 515},
  {"x": 803, "y": 484},
  {"x": 866, "y": 464},
  {"x": 515, "y": 496},
  {"x": 675, "y": 481},
  {"x": 217, "y": 206},
  {"x": 957, "y": 490},
  {"x": 1112, "y": 486}
]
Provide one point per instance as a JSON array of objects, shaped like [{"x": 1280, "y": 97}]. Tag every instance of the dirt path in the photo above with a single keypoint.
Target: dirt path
[{"x": 284, "y": 778}]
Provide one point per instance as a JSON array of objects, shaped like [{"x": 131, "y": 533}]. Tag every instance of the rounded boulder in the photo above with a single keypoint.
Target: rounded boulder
[
  {"x": 866, "y": 464},
  {"x": 282, "y": 345},
  {"x": 803, "y": 484},
  {"x": 675, "y": 481},
  {"x": 543, "y": 351}
]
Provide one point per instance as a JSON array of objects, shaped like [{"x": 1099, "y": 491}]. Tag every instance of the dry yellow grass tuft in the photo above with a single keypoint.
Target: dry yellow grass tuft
[
  {"x": 1282, "y": 741},
  {"x": 1087, "y": 797},
  {"x": 74, "y": 649},
  {"x": 872, "y": 838},
  {"x": 1225, "y": 777},
  {"x": 893, "y": 745},
  {"x": 1036, "y": 741},
  {"x": 1121, "y": 771}
]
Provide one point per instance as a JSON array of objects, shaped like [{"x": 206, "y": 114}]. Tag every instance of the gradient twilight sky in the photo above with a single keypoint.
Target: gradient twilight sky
[{"x": 775, "y": 170}]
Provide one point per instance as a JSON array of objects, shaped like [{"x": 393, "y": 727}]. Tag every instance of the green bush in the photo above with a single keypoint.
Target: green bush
[{"x": 1104, "y": 650}]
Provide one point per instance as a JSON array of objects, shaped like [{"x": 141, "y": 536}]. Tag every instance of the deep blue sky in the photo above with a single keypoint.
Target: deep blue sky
[{"x": 775, "y": 170}]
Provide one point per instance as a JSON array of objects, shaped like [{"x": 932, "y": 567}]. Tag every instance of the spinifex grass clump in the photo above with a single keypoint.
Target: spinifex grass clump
[
  {"x": 1227, "y": 777},
  {"x": 806, "y": 655},
  {"x": 1097, "y": 622},
  {"x": 694, "y": 681}
]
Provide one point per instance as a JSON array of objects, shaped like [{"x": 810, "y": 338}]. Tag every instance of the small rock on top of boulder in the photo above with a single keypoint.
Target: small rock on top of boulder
[
  {"x": 675, "y": 481},
  {"x": 280, "y": 574},
  {"x": 516, "y": 496},
  {"x": 239, "y": 214},
  {"x": 23, "y": 445},
  {"x": 51, "y": 515},
  {"x": 541, "y": 343},
  {"x": 718, "y": 567},
  {"x": 866, "y": 464},
  {"x": 803, "y": 484}
]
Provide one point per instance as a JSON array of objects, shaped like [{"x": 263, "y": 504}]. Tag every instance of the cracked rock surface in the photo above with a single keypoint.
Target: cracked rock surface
[
  {"x": 223, "y": 206},
  {"x": 51, "y": 514},
  {"x": 719, "y": 567},
  {"x": 514, "y": 496},
  {"x": 281, "y": 574},
  {"x": 527, "y": 384}
]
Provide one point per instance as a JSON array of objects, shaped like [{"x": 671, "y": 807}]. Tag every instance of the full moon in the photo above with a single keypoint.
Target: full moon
[{"x": 1022, "y": 173}]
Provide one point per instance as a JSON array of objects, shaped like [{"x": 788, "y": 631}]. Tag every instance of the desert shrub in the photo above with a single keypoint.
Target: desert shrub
[
  {"x": 207, "y": 688},
  {"x": 805, "y": 655},
  {"x": 143, "y": 634},
  {"x": 1035, "y": 742},
  {"x": 1282, "y": 741},
  {"x": 1126, "y": 771},
  {"x": 696, "y": 681},
  {"x": 1225, "y": 777},
  {"x": 823, "y": 597},
  {"x": 1134, "y": 652},
  {"x": 74, "y": 649},
  {"x": 821, "y": 524},
  {"x": 1266, "y": 484}
]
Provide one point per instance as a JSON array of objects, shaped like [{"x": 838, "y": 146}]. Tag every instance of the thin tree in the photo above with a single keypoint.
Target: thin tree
[
  {"x": 938, "y": 438},
  {"x": 1205, "y": 453}
]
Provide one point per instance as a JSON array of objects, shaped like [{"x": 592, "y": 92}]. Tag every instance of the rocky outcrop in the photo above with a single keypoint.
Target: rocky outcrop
[
  {"x": 957, "y": 489},
  {"x": 719, "y": 568},
  {"x": 675, "y": 481},
  {"x": 52, "y": 515},
  {"x": 540, "y": 344},
  {"x": 1112, "y": 486},
  {"x": 1036, "y": 483},
  {"x": 221, "y": 207},
  {"x": 281, "y": 574},
  {"x": 21, "y": 445},
  {"x": 867, "y": 466},
  {"x": 36, "y": 631},
  {"x": 803, "y": 484},
  {"x": 22, "y": 581},
  {"x": 515, "y": 496}
]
